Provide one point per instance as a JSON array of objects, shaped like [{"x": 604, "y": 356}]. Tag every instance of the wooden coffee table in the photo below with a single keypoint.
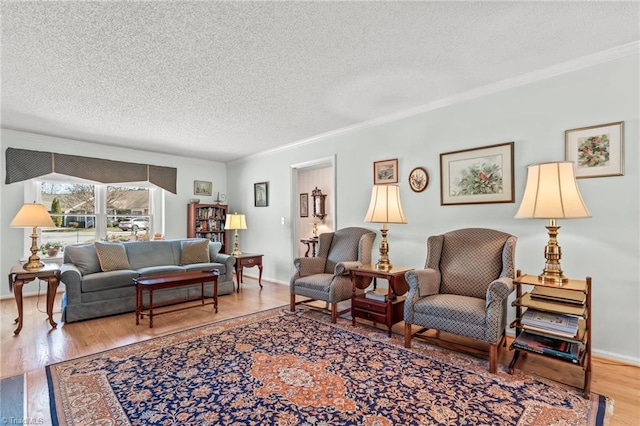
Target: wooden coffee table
[{"x": 162, "y": 282}]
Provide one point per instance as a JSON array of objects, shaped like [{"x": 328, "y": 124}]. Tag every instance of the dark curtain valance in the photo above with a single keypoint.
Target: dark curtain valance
[{"x": 23, "y": 164}]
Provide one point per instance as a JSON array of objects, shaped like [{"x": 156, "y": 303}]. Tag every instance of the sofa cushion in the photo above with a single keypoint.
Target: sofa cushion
[
  {"x": 150, "y": 253},
  {"x": 112, "y": 256},
  {"x": 206, "y": 267},
  {"x": 194, "y": 251},
  {"x": 84, "y": 257},
  {"x": 108, "y": 280},
  {"x": 160, "y": 270}
]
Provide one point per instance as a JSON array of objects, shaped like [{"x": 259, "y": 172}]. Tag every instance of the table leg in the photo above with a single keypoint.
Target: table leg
[
  {"x": 260, "y": 275},
  {"x": 138, "y": 303},
  {"x": 215, "y": 294},
  {"x": 238, "y": 272},
  {"x": 52, "y": 287},
  {"x": 150, "y": 308},
  {"x": 17, "y": 291}
]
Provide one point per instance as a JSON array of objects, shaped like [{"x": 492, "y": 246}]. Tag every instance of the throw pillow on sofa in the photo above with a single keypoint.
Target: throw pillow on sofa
[
  {"x": 112, "y": 256},
  {"x": 194, "y": 251},
  {"x": 84, "y": 257}
]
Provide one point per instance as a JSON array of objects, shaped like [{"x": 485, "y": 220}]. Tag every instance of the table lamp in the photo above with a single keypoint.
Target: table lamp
[
  {"x": 552, "y": 193},
  {"x": 315, "y": 222},
  {"x": 33, "y": 215},
  {"x": 235, "y": 221},
  {"x": 385, "y": 207}
]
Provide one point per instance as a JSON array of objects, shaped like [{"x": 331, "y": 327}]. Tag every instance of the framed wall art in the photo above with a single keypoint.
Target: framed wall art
[
  {"x": 418, "y": 179},
  {"x": 477, "y": 175},
  {"x": 304, "y": 205},
  {"x": 597, "y": 151},
  {"x": 201, "y": 187},
  {"x": 261, "y": 194},
  {"x": 385, "y": 172}
]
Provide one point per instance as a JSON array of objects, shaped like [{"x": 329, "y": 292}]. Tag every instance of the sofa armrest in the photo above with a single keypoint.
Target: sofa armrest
[
  {"x": 71, "y": 277},
  {"x": 499, "y": 289},
  {"x": 309, "y": 265},
  {"x": 423, "y": 282},
  {"x": 228, "y": 261},
  {"x": 343, "y": 267}
]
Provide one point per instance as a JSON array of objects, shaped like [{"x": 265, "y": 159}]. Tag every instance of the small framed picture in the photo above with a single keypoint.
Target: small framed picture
[
  {"x": 477, "y": 175},
  {"x": 597, "y": 151},
  {"x": 201, "y": 187},
  {"x": 304, "y": 205},
  {"x": 418, "y": 179},
  {"x": 261, "y": 194},
  {"x": 385, "y": 172}
]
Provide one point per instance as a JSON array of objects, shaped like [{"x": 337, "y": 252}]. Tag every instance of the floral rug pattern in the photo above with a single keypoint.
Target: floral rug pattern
[{"x": 283, "y": 368}]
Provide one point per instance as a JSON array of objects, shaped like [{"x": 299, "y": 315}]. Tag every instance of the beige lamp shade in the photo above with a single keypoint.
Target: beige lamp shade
[
  {"x": 32, "y": 215},
  {"x": 385, "y": 205},
  {"x": 552, "y": 192},
  {"x": 235, "y": 221}
]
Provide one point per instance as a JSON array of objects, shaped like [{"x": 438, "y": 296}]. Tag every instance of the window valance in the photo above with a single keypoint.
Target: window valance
[{"x": 24, "y": 164}]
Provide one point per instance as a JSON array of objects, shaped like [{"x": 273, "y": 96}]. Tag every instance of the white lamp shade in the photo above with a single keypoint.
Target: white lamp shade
[
  {"x": 32, "y": 215},
  {"x": 235, "y": 221},
  {"x": 385, "y": 205},
  {"x": 552, "y": 192}
]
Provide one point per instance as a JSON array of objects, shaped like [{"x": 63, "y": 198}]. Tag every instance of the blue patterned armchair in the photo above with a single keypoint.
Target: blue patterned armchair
[
  {"x": 326, "y": 276},
  {"x": 463, "y": 289}
]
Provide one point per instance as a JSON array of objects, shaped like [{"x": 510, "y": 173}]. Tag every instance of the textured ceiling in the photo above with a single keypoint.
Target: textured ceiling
[{"x": 222, "y": 80}]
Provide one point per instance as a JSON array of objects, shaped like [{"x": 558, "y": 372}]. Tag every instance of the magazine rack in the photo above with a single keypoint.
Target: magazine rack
[{"x": 566, "y": 302}]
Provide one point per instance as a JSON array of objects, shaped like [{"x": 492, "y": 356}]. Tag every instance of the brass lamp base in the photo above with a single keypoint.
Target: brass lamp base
[
  {"x": 34, "y": 259},
  {"x": 383, "y": 263},
  {"x": 552, "y": 272}
]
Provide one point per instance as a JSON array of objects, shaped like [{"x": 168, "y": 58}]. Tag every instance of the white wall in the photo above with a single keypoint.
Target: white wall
[
  {"x": 534, "y": 116},
  {"x": 12, "y": 241}
]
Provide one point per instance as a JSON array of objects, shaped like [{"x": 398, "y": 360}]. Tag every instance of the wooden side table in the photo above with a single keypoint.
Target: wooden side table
[
  {"x": 19, "y": 276},
  {"x": 311, "y": 245},
  {"x": 248, "y": 260},
  {"x": 389, "y": 312}
]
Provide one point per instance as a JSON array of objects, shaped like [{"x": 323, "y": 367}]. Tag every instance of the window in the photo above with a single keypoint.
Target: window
[{"x": 87, "y": 212}]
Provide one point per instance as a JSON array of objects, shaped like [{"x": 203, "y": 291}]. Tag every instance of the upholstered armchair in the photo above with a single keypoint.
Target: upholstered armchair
[
  {"x": 463, "y": 290},
  {"x": 326, "y": 276}
]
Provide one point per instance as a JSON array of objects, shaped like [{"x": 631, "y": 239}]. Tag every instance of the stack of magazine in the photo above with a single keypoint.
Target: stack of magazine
[
  {"x": 379, "y": 294},
  {"x": 559, "y": 324},
  {"x": 571, "y": 351}
]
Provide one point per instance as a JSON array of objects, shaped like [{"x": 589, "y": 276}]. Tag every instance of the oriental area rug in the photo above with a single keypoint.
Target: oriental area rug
[{"x": 282, "y": 368}]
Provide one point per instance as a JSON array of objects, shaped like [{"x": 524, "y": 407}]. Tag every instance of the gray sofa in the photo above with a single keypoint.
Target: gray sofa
[{"x": 91, "y": 292}]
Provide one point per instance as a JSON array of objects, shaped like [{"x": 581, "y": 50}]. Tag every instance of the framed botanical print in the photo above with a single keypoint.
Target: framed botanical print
[
  {"x": 597, "y": 151},
  {"x": 304, "y": 205},
  {"x": 261, "y": 194},
  {"x": 418, "y": 179},
  {"x": 477, "y": 175},
  {"x": 201, "y": 187},
  {"x": 385, "y": 172}
]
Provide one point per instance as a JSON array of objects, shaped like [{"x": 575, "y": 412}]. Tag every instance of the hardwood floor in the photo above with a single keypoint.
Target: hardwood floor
[{"x": 38, "y": 345}]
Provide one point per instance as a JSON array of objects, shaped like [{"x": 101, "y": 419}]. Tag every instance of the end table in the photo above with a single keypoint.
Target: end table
[
  {"x": 19, "y": 276},
  {"x": 248, "y": 260}
]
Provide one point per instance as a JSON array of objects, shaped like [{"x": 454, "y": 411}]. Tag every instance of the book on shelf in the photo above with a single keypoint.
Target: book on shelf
[
  {"x": 559, "y": 295},
  {"x": 379, "y": 294},
  {"x": 550, "y": 321},
  {"x": 547, "y": 345}
]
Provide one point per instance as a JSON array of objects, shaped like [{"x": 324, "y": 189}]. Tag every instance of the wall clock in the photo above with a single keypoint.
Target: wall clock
[{"x": 418, "y": 179}]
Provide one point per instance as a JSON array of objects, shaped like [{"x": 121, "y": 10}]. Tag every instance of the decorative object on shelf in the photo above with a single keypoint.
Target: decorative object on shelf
[
  {"x": 194, "y": 200},
  {"x": 261, "y": 194},
  {"x": 220, "y": 198},
  {"x": 477, "y": 175},
  {"x": 552, "y": 193},
  {"x": 33, "y": 215},
  {"x": 597, "y": 151},
  {"x": 51, "y": 248},
  {"x": 201, "y": 187},
  {"x": 315, "y": 222},
  {"x": 318, "y": 203},
  {"x": 418, "y": 179},
  {"x": 304, "y": 205},
  {"x": 385, "y": 207},
  {"x": 234, "y": 222},
  {"x": 385, "y": 172}
]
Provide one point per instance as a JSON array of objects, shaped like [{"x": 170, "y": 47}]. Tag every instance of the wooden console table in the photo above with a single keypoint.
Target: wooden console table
[
  {"x": 389, "y": 312},
  {"x": 248, "y": 260},
  {"x": 311, "y": 245},
  {"x": 19, "y": 276},
  {"x": 160, "y": 282}
]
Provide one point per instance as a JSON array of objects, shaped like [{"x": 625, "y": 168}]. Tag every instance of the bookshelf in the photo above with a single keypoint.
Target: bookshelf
[
  {"x": 566, "y": 303},
  {"x": 207, "y": 221}
]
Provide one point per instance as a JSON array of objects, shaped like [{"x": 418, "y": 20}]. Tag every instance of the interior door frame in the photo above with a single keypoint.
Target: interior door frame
[{"x": 329, "y": 161}]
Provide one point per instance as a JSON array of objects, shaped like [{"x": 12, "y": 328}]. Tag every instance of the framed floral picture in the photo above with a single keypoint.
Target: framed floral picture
[
  {"x": 304, "y": 205},
  {"x": 261, "y": 194},
  {"x": 477, "y": 175},
  {"x": 385, "y": 172},
  {"x": 597, "y": 150},
  {"x": 418, "y": 179}
]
